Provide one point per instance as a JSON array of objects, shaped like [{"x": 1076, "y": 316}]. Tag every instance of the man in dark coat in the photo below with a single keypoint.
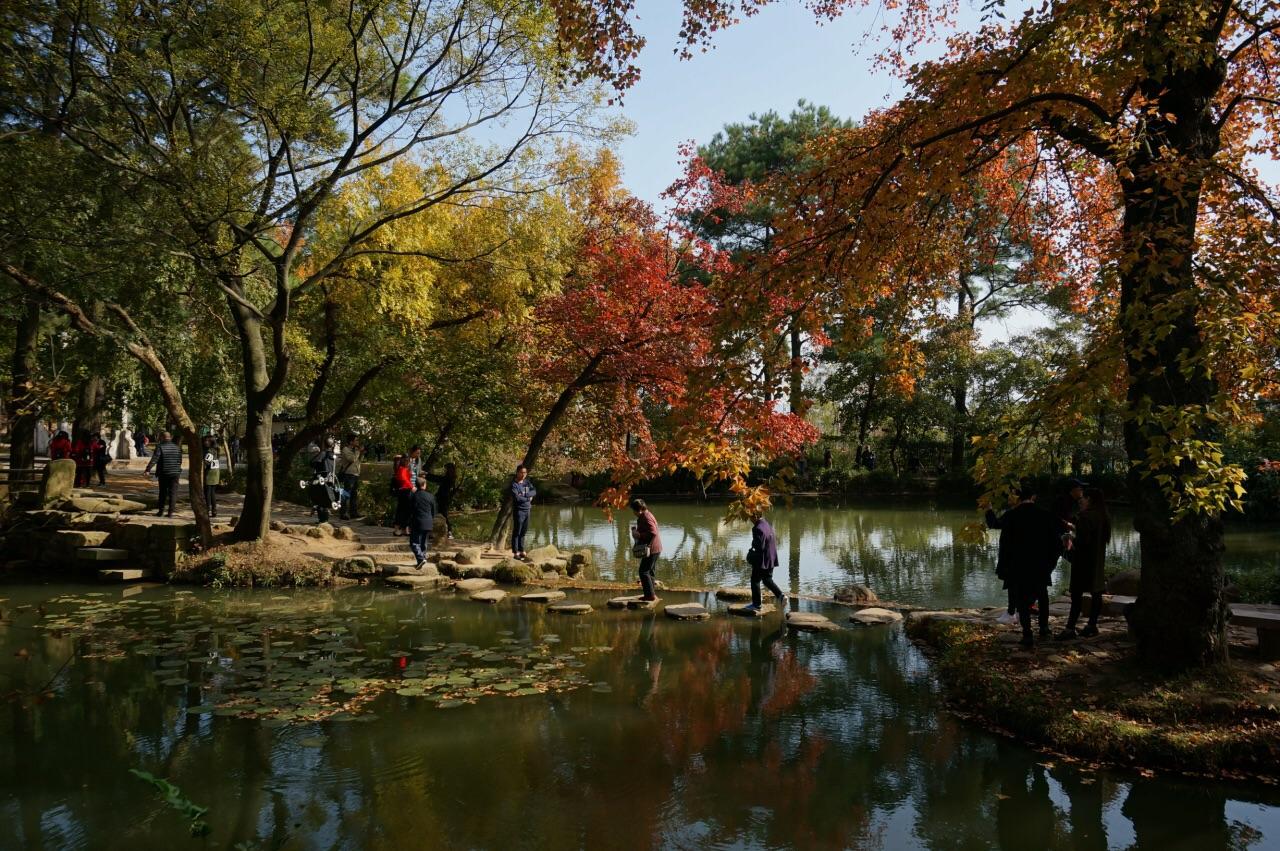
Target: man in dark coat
[
  {"x": 167, "y": 461},
  {"x": 522, "y": 494},
  {"x": 422, "y": 518},
  {"x": 1030, "y": 541},
  {"x": 763, "y": 558}
]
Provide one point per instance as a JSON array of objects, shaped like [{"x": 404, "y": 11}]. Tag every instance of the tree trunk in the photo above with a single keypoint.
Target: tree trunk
[
  {"x": 1180, "y": 618},
  {"x": 91, "y": 398},
  {"x": 255, "y": 517},
  {"x": 960, "y": 386},
  {"x": 797, "y": 371},
  {"x": 23, "y": 414}
]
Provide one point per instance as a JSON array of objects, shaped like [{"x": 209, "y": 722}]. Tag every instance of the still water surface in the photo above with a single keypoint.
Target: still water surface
[
  {"x": 907, "y": 554},
  {"x": 650, "y": 734}
]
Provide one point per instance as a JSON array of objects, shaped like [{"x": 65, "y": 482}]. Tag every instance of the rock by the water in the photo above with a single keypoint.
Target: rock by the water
[
  {"x": 278, "y": 525},
  {"x": 550, "y": 576},
  {"x": 559, "y": 565},
  {"x": 325, "y": 528},
  {"x": 471, "y": 555},
  {"x": 687, "y": 612},
  {"x": 513, "y": 572},
  {"x": 873, "y": 616},
  {"x": 416, "y": 583},
  {"x": 733, "y": 595},
  {"x": 1126, "y": 583},
  {"x": 635, "y": 601},
  {"x": 856, "y": 594},
  {"x": 58, "y": 479},
  {"x": 101, "y": 554},
  {"x": 345, "y": 533},
  {"x": 810, "y": 622},
  {"x": 359, "y": 566},
  {"x": 471, "y": 586},
  {"x": 493, "y": 595},
  {"x": 570, "y": 608},
  {"x": 294, "y": 529},
  {"x": 81, "y": 538},
  {"x": 742, "y": 610},
  {"x": 475, "y": 571},
  {"x": 542, "y": 596},
  {"x": 101, "y": 505},
  {"x": 449, "y": 567},
  {"x": 580, "y": 558},
  {"x": 314, "y": 532},
  {"x": 546, "y": 553}
]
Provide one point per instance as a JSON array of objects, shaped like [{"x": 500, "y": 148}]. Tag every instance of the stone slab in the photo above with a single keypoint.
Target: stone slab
[
  {"x": 742, "y": 610},
  {"x": 810, "y": 622},
  {"x": 471, "y": 586},
  {"x": 100, "y": 505},
  {"x": 493, "y": 595},
  {"x": 634, "y": 601},
  {"x": 687, "y": 612},
  {"x": 81, "y": 538},
  {"x": 101, "y": 554},
  {"x": 874, "y": 616},
  {"x": 124, "y": 574},
  {"x": 734, "y": 595},
  {"x": 570, "y": 608},
  {"x": 542, "y": 596},
  {"x": 417, "y": 583}
]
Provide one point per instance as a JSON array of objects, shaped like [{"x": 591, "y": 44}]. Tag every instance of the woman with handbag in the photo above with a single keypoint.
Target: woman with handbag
[{"x": 647, "y": 547}]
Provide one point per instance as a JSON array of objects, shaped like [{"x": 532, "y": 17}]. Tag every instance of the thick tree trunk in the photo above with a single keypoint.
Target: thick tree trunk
[
  {"x": 797, "y": 371},
  {"x": 255, "y": 517},
  {"x": 1180, "y": 617},
  {"x": 90, "y": 401},
  {"x": 23, "y": 414},
  {"x": 960, "y": 387}
]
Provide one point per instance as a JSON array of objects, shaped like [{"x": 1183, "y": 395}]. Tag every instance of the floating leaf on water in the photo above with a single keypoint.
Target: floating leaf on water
[
  {"x": 174, "y": 681},
  {"x": 313, "y": 742},
  {"x": 505, "y": 687},
  {"x": 449, "y": 704},
  {"x": 201, "y": 709},
  {"x": 525, "y": 692},
  {"x": 602, "y": 688}
]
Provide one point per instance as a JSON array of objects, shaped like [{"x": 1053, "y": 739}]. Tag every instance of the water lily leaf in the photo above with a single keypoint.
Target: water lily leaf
[{"x": 175, "y": 681}]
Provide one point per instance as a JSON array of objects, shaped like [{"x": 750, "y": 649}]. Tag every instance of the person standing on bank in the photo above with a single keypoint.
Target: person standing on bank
[
  {"x": 349, "y": 477},
  {"x": 522, "y": 494},
  {"x": 166, "y": 458},
  {"x": 1030, "y": 543},
  {"x": 82, "y": 454},
  {"x": 645, "y": 534},
  {"x": 402, "y": 489},
  {"x": 1088, "y": 559},
  {"x": 212, "y": 474},
  {"x": 101, "y": 457},
  {"x": 422, "y": 516},
  {"x": 447, "y": 485},
  {"x": 763, "y": 558}
]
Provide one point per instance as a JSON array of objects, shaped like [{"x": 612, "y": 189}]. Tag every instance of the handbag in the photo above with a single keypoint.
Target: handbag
[{"x": 640, "y": 550}]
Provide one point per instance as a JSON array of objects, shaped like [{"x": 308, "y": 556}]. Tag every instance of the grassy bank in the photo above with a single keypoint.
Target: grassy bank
[{"x": 1091, "y": 701}]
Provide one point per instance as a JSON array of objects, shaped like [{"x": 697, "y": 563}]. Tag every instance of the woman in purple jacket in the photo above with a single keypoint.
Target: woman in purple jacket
[
  {"x": 646, "y": 532},
  {"x": 763, "y": 558}
]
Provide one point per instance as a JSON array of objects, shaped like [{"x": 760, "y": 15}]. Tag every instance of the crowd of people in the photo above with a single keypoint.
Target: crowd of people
[
  {"x": 90, "y": 452},
  {"x": 1033, "y": 539}
]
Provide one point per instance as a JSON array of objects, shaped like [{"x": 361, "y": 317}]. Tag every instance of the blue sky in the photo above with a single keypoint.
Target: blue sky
[{"x": 768, "y": 61}]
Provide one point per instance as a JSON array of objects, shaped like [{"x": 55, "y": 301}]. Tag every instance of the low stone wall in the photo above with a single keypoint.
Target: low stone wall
[{"x": 51, "y": 539}]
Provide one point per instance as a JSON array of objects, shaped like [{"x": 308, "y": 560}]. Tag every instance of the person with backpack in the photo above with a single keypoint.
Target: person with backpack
[
  {"x": 212, "y": 475},
  {"x": 101, "y": 453},
  {"x": 349, "y": 477},
  {"x": 167, "y": 462}
]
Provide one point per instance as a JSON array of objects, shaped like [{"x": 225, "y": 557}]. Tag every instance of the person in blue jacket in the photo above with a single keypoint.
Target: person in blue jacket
[
  {"x": 522, "y": 494},
  {"x": 763, "y": 558}
]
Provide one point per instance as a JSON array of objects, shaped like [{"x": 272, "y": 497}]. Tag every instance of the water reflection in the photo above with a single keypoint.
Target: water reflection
[{"x": 910, "y": 555}]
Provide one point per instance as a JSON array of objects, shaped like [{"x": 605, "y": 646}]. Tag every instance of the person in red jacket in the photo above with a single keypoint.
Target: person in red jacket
[
  {"x": 82, "y": 454},
  {"x": 402, "y": 487},
  {"x": 60, "y": 446}
]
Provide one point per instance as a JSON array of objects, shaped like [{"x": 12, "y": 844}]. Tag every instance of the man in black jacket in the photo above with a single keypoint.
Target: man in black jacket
[
  {"x": 422, "y": 517},
  {"x": 167, "y": 461},
  {"x": 1030, "y": 541}
]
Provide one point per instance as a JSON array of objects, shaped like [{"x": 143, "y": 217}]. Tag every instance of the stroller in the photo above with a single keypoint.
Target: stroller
[{"x": 322, "y": 488}]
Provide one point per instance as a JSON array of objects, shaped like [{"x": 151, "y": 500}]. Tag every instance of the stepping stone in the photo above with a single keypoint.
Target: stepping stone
[
  {"x": 687, "y": 612},
  {"x": 570, "y": 608},
  {"x": 417, "y": 583},
  {"x": 874, "y": 616},
  {"x": 542, "y": 596},
  {"x": 471, "y": 586},
  {"x": 856, "y": 594},
  {"x": 632, "y": 602},
  {"x": 493, "y": 595},
  {"x": 734, "y": 595},
  {"x": 810, "y": 622},
  {"x": 124, "y": 574},
  {"x": 741, "y": 610},
  {"x": 101, "y": 554}
]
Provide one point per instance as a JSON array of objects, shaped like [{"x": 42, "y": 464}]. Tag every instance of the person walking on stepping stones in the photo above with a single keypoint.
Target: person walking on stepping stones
[
  {"x": 522, "y": 494},
  {"x": 422, "y": 518},
  {"x": 648, "y": 545},
  {"x": 763, "y": 558}
]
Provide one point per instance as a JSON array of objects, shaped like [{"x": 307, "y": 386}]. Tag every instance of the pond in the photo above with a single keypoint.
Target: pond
[
  {"x": 367, "y": 718},
  {"x": 909, "y": 554}
]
